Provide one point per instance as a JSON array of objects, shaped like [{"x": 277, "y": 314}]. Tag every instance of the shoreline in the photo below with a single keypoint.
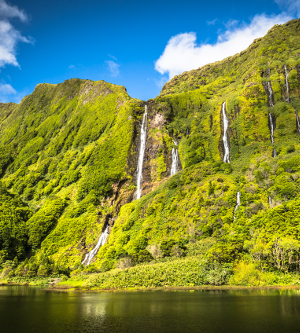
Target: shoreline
[
  {"x": 172, "y": 288},
  {"x": 70, "y": 288}
]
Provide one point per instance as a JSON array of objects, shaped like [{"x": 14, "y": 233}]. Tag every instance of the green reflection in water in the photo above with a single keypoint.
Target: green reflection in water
[{"x": 30, "y": 309}]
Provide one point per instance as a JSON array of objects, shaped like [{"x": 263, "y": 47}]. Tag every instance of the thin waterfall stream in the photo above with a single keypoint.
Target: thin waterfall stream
[
  {"x": 274, "y": 154},
  {"x": 89, "y": 256},
  {"x": 270, "y": 201},
  {"x": 287, "y": 83},
  {"x": 175, "y": 160},
  {"x": 238, "y": 202},
  {"x": 270, "y": 93},
  {"x": 225, "y": 138},
  {"x": 298, "y": 122},
  {"x": 272, "y": 126},
  {"x": 141, "y": 154}
]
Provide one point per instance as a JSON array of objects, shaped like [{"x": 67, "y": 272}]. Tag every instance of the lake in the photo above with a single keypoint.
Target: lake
[{"x": 31, "y": 309}]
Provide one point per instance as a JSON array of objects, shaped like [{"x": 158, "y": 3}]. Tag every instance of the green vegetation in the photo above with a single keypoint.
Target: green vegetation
[
  {"x": 68, "y": 156},
  {"x": 13, "y": 217}
]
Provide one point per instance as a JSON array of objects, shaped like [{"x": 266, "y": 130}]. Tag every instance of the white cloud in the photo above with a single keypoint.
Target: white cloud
[
  {"x": 291, "y": 6},
  {"x": 7, "y": 89},
  {"x": 8, "y": 11},
  {"x": 113, "y": 67},
  {"x": 9, "y": 36},
  {"x": 183, "y": 54},
  {"x": 113, "y": 57},
  {"x": 161, "y": 81},
  {"x": 7, "y": 93},
  {"x": 212, "y": 22}
]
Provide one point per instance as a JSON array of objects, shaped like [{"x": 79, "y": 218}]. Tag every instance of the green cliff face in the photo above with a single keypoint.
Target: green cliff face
[
  {"x": 70, "y": 152},
  {"x": 61, "y": 150}
]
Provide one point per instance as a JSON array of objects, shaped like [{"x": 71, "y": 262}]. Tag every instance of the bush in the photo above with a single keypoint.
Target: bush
[
  {"x": 124, "y": 263},
  {"x": 224, "y": 252},
  {"x": 155, "y": 251},
  {"x": 245, "y": 274},
  {"x": 179, "y": 272}
]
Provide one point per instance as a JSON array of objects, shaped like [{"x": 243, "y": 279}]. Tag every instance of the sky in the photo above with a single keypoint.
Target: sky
[{"x": 137, "y": 44}]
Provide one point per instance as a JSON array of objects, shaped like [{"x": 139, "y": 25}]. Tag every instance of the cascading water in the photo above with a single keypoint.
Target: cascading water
[
  {"x": 270, "y": 93},
  {"x": 270, "y": 201},
  {"x": 238, "y": 202},
  {"x": 175, "y": 160},
  {"x": 271, "y": 128},
  {"x": 268, "y": 88},
  {"x": 88, "y": 258},
  {"x": 298, "y": 122},
  {"x": 225, "y": 139},
  {"x": 287, "y": 84},
  {"x": 141, "y": 154},
  {"x": 272, "y": 133}
]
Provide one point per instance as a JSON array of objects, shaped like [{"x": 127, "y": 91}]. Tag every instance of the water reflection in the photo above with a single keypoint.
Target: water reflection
[{"x": 29, "y": 309}]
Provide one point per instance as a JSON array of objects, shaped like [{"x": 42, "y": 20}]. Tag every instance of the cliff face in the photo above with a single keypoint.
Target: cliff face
[
  {"x": 69, "y": 142},
  {"x": 71, "y": 152}
]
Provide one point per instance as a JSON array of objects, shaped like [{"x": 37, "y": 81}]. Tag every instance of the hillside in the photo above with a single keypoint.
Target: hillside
[{"x": 70, "y": 152}]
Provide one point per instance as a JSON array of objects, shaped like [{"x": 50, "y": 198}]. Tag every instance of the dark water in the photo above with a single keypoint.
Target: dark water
[{"x": 29, "y": 309}]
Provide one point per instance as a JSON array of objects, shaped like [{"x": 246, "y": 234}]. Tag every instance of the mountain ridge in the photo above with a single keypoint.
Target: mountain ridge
[{"x": 70, "y": 151}]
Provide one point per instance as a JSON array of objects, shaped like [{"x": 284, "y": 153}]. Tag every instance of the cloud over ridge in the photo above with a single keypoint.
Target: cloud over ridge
[
  {"x": 113, "y": 67},
  {"x": 291, "y": 6},
  {"x": 183, "y": 54}
]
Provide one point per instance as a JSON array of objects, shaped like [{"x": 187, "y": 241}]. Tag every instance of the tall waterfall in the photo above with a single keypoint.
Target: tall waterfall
[
  {"x": 141, "y": 155},
  {"x": 270, "y": 93},
  {"x": 298, "y": 122},
  {"x": 270, "y": 201},
  {"x": 175, "y": 160},
  {"x": 225, "y": 138},
  {"x": 89, "y": 256},
  {"x": 287, "y": 84},
  {"x": 272, "y": 133}
]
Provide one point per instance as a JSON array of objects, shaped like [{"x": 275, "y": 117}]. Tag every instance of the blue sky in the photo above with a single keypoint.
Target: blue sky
[{"x": 138, "y": 44}]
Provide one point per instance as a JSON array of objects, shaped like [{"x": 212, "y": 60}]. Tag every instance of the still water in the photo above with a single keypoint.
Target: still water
[{"x": 30, "y": 309}]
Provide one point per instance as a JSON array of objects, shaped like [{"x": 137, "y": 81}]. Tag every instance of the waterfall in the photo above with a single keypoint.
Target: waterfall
[
  {"x": 141, "y": 154},
  {"x": 89, "y": 256},
  {"x": 271, "y": 99},
  {"x": 270, "y": 93},
  {"x": 298, "y": 122},
  {"x": 287, "y": 84},
  {"x": 175, "y": 160},
  {"x": 225, "y": 139},
  {"x": 274, "y": 154},
  {"x": 270, "y": 201},
  {"x": 238, "y": 202},
  {"x": 271, "y": 128}
]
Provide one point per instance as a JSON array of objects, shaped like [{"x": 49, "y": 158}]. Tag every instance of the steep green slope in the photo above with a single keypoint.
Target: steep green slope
[
  {"x": 70, "y": 151},
  {"x": 63, "y": 147},
  {"x": 200, "y": 201}
]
